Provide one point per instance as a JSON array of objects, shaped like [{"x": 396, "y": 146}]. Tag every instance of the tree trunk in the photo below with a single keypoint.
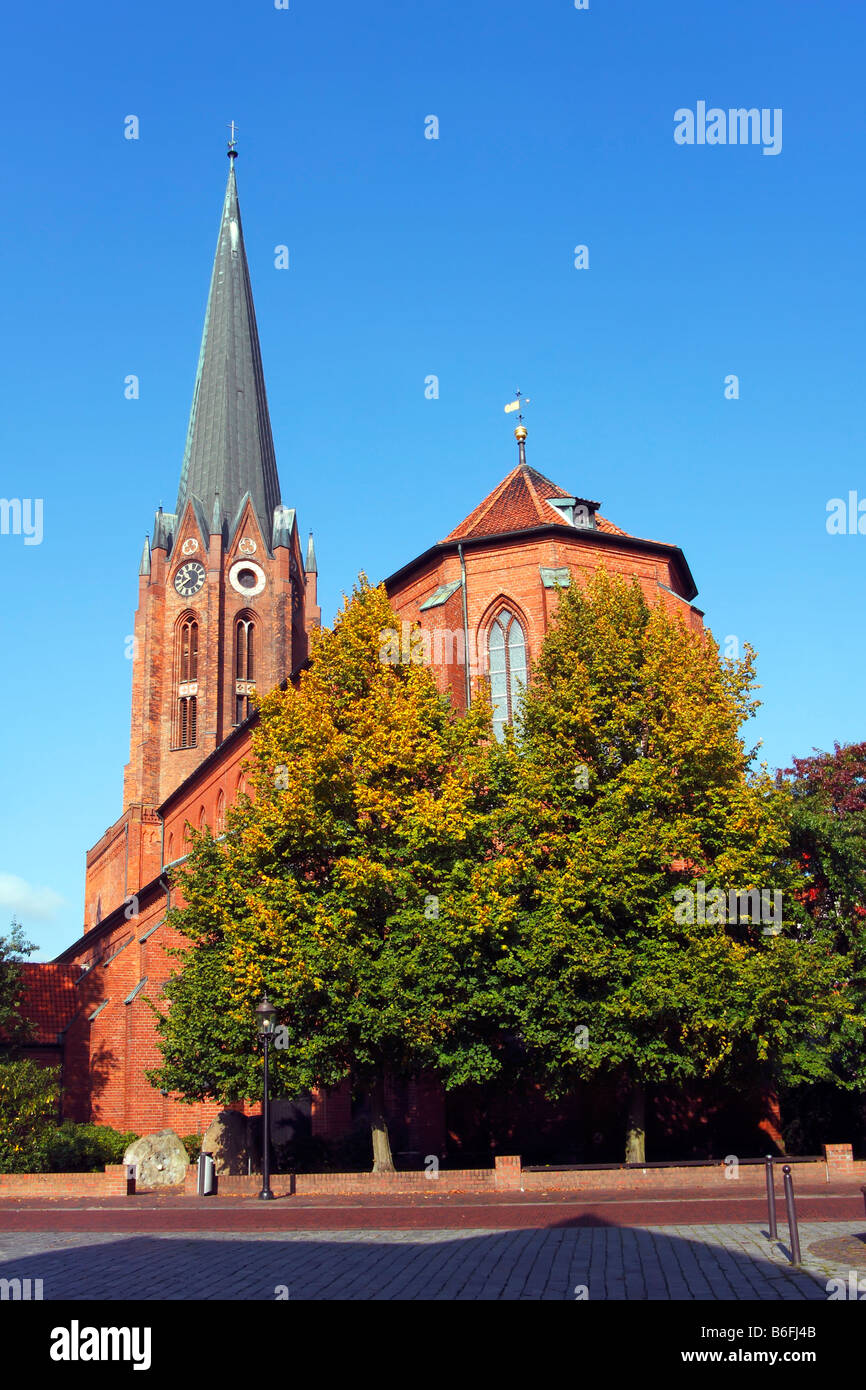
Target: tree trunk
[
  {"x": 382, "y": 1160},
  {"x": 635, "y": 1137},
  {"x": 771, "y": 1118}
]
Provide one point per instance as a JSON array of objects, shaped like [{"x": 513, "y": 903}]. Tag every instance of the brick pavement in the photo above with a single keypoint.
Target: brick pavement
[{"x": 685, "y": 1262}]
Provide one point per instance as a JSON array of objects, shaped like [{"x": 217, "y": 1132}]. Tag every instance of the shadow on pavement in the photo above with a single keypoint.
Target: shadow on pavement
[{"x": 574, "y": 1260}]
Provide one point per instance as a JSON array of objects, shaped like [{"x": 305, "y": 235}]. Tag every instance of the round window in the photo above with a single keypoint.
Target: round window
[{"x": 247, "y": 578}]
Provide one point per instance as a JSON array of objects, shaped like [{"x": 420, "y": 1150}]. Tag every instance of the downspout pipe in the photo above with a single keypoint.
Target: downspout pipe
[{"x": 468, "y": 682}]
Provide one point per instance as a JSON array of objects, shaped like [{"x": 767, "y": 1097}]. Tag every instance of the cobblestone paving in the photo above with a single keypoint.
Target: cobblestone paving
[{"x": 663, "y": 1262}]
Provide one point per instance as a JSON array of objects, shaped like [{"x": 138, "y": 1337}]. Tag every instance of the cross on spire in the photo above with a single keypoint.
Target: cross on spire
[{"x": 233, "y": 153}]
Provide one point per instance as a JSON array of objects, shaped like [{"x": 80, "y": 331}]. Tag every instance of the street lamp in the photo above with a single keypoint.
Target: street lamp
[{"x": 266, "y": 1015}]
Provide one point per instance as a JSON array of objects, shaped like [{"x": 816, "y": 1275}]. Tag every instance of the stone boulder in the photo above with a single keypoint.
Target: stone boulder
[
  {"x": 160, "y": 1160},
  {"x": 230, "y": 1142}
]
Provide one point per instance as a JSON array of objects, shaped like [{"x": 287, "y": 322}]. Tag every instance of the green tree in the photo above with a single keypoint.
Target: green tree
[
  {"x": 350, "y": 888},
  {"x": 28, "y": 1114},
  {"x": 829, "y": 843},
  {"x": 630, "y": 817},
  {"x": 14, "y": 950},
  {"x": 829, "y": 839},
  {"x": 28, "y": 1091}
]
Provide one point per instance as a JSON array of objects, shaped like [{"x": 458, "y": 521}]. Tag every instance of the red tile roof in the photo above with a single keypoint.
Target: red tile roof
[
  {"x": 48, "y": 997},
  {"x": 519, "y": 503}
]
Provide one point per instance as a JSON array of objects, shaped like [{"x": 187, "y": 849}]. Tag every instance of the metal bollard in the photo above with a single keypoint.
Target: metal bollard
[
  {"x": 206, "y": 1176},
  {"x": 771, "y": 1197},
  {"x": 793, "y": 1233},
  {"x": 130, "y": 1179}
]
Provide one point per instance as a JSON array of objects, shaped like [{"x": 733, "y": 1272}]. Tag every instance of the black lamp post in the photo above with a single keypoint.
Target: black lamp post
[{"x": 266, "y": 1015}]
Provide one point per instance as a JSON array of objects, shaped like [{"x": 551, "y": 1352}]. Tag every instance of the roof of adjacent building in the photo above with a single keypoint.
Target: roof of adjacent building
[
  {"x": 48, "y": 999},
  {"x": 520, "y": 503},
  {"x": 229, "y": 445}
]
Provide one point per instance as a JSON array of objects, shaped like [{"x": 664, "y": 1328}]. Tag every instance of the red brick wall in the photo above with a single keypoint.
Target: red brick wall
[
  {"x": 105, "y": 1060},
  {"x": 126, "y": 858},
  {"x": 507, "y": 573},
  {"x": 155, "y": 767},
  {"x": 110, "y": 1183},
  {"x": 224, "y": 778}
]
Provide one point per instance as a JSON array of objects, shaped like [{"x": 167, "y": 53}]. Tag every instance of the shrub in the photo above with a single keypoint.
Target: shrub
[
  {"x": 192, "y": 1144},
  {"x": 28, "y": 1111},
  {"x": 86, "y": 1148}
]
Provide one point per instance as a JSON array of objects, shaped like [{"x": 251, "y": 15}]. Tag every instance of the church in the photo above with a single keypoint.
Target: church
[{"x": 226, "y": 602}]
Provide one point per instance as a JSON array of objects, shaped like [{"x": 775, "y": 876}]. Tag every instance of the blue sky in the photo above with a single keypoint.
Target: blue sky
[{"x": 412, "y": 257}]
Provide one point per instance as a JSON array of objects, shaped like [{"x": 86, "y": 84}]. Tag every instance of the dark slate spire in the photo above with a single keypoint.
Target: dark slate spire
[
  {"x": 144, "y": 567},
  {"x": 311, "y": 567},
  {"x": 229, "y": 447}
]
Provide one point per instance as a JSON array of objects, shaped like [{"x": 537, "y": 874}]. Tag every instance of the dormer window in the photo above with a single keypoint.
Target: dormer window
[{"x": 576, "y": 511}]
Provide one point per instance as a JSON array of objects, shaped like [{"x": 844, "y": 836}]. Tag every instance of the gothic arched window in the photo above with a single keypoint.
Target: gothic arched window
[
  {"x": 245, "y": 671},
  {"x": 186, "y": 682},
  {"x": 187, "y": 720},
  {"x": 189, "y": 650},
  {"x": 220, "y": 813},
  {"x": 506, "y": 649}
]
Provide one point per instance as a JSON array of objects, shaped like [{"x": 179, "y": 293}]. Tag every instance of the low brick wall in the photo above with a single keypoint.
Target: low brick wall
[
  {"x": 354, "y": 1184},
  {"x": 109, "y": 1183},
  {"x": 508, "y": 1175},
  {"x": 639, "y": 1179}
]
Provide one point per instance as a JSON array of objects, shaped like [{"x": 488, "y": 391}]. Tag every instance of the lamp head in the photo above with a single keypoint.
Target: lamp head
[{"x": 266, "y": 1013}]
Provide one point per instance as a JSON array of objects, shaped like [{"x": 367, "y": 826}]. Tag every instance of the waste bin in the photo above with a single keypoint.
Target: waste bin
[
  {"x": 206, "y": 1176},
  {"x": 130, "y": 1179}
]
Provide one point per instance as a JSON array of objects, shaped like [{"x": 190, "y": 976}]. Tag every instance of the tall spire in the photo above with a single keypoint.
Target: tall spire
[
  {"x": 229, "y": 446},
  {"x": 311, "y": 567}
]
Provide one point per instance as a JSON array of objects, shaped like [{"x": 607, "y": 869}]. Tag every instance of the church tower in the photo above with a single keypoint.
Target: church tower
[{"x": 224, "y": 597}]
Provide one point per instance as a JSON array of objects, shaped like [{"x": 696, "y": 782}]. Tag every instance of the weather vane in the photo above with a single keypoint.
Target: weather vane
[
  {"x": 517, "y": 405},
  {"x": 520, "y": 432},
  {"x": 233, "y": 154}
]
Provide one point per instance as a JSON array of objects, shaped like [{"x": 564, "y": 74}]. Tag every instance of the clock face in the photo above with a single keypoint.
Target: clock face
[{"x": 189, "y": 579}]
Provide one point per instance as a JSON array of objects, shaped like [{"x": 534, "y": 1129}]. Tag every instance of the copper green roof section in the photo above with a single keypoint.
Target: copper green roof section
[{"x": 229, "y": 446}]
